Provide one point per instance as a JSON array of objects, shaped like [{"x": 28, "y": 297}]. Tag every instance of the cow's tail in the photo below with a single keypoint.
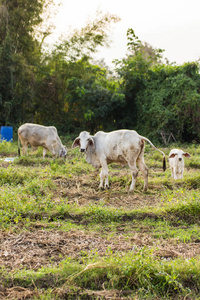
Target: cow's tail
[
  {"x": 19, "y": 147},
  {"x": 164, "y": 159}
]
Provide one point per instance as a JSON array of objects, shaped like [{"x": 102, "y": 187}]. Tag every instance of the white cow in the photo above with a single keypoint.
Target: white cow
[
  {"x": 37, "y": 135},
  {"x": 125, "y": 146},
  {"x": 176, "y": 162}
]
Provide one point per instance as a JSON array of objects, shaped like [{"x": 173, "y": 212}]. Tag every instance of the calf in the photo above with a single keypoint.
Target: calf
[
  {"x": 125, "y": 146},
  {"x": 176, "y": 162},
  {"x": 37, "y": 135}
]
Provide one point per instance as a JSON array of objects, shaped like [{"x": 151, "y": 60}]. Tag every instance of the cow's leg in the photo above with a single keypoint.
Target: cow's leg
[
  {"x": 51, "y": 147},
  {"x": 181, "y": 174},
  {"x": 175, "y": 174},
  {"x": 44, "y": 152},
  {"x": 172, "y": 172},
  {"x": 34, "y": 148},
  {"x": 104, "y": 175},
  {"x": 24, "y": 148},
  {"x": 143, "y": 168},
  {"x": 134, "y": 173}
]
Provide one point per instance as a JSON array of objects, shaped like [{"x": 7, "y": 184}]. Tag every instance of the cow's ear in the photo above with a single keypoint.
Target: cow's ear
[
  {"x": 186, "y": 154},
  {"x": 91, "y": 142},
  {"x": 172, "y": 155},
  {"x": 76, "y": 143}
]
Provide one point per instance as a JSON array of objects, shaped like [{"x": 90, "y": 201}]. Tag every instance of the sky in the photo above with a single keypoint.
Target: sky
[{"x": 172, "y": 25}]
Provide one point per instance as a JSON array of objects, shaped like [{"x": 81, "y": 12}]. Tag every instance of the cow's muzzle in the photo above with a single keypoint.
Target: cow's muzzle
[
  {"x": 82, "y": 150},
  {"x": 180, "y": 159}
]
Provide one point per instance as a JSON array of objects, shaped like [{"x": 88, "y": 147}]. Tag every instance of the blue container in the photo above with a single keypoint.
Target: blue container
[{"x": 6, "y": 133}]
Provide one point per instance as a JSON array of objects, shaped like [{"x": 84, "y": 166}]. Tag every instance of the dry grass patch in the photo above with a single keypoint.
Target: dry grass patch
[{"x": 43, "y": 248}]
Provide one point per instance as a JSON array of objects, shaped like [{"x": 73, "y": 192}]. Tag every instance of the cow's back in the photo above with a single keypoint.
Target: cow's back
[
  {"x": 36, "y": 135},
  {"x": 118, "y": 145}
]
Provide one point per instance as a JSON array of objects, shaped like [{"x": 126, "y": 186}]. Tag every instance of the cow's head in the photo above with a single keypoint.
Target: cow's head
[
  {"x": 179, "y": 154},
  {"x": 83, "y": 141},
  {"x": 63, "y": 152}
]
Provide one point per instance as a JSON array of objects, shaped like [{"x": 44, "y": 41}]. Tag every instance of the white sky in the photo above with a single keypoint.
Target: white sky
[{"x": 173, "y": 25}]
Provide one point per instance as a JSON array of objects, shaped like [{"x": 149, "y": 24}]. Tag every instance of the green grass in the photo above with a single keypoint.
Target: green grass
[
  {"x": 8, "y": 149},
  {"x": 62, "y": 238}
]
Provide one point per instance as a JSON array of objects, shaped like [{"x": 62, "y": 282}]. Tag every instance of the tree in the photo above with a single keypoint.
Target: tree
[
  {"x": 159, "y": 97},
  {"x": 170, "y": 102},
  {"x": 86, "y": 41},
  {"x": 79, "y": 95},
  {"x": 6, "y": 81},
  {"x": 93, "y": 100},
  {"x": 20, "y": 57},
  {"x": 132, "y": 71},
  {"x": 3, "y": 21},
  {"x": 73, "y": 89},
  {"x": 23, "y": 18}
]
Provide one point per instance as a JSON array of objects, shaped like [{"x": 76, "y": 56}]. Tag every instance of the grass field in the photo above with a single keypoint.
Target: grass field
[{"x": 62, "y": 238}]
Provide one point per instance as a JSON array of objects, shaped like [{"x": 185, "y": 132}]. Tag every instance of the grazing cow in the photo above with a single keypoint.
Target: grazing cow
[
  {"x": 176, "y": 162},
  {"x": 38, "y": 135},
  {"x": 123, "y": 146}
]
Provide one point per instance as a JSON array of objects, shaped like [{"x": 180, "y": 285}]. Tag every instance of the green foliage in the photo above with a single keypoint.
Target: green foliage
[
  {"x": 19, "y": 57},
  {"x": 76, "y": 92},
  {"x": 133, "y": 71},
  {"x": 15, "y": 177},
  {"x": 159, "y": 98},
  {"x": 94, "y": 102},
  {"x": 82, "y": 98},
  {"x": 170, "y": 102},
  {"x": 6, "y": 81},
  {"x": 7, "y": 148}
]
